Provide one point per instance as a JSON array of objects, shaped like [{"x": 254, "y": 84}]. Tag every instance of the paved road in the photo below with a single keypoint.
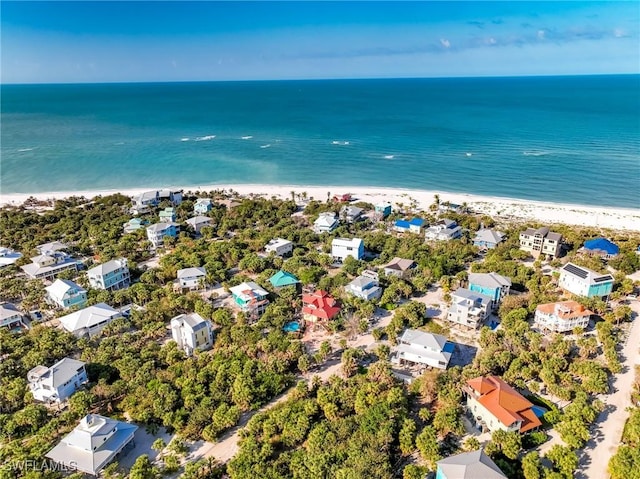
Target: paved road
[{"x": 595, "y": 456}]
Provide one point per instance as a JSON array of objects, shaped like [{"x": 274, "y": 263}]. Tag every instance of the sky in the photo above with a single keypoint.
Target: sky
[{"x": 78, "y": 42}]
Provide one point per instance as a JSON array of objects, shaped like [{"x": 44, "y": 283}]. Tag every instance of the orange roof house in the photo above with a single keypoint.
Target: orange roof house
[
  {"x": 319, "y": 306},
  {"x": 562, "y": 316},
  {"x": 497, "y": 405}
]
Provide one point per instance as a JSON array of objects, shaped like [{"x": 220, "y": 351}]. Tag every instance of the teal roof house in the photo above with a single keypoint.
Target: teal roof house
[
  {"x": 168, "y": 215},
  {"x": 282, "y": 279}
]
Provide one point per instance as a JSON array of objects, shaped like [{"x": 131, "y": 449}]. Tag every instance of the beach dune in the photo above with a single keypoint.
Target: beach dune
[{"x": 525, "y": 210}]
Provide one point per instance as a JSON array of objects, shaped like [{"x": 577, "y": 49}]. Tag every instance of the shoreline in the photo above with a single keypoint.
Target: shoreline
[{"x": 495, "y": 206}]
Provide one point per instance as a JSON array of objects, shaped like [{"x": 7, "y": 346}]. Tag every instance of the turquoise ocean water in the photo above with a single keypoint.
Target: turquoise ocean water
[{"x": 560, "y": 139}]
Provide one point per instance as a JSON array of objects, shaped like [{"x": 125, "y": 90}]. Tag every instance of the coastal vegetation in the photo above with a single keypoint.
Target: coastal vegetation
[{"x": 362, "y": 421}]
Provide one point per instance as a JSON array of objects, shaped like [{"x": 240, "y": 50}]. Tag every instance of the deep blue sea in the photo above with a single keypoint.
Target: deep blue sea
[{"x": 560, "y": 139}]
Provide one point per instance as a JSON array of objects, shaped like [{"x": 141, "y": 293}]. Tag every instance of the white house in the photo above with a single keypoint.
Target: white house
[
  {"x": 562, "y": 316},
  {"x": 89, "y": 321},
  {"x": 202, "y": 206},
  {"x": 443, "y": 230},
  {"x": 8, "y": 256},
  {"x": 57, "y": 383},
  {"x": 191, "y": 332},
  {"x": 250, "y": 297},
  {"x": 191, "y": 278},
  {"x": 93, "y": 444},
  {"x": 110, "y": 276},
  {"x": 50, "y": 261},
  {"x": 10, "y": 316},
  {"x": 418, "y": 348},
  {"x": 413, "y": 225},
  {"x": 279, "y": 247},
  {"x": 469, "y": 308},
  {"x": 198, "y": 222},
  {"x": 541, "y": 241},
  {"x": 585, "y": 282},
  {"x": 365, "y": 286},
  {"x": 325, "y": 223},
  {"x": 66, "y": 294},
  {"x": 341, "y": 248},
  {"x": 488, "y": 238}
]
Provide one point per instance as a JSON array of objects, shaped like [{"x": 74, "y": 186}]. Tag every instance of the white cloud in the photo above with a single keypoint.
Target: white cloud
[
  {"x": 445, "y": 43},
  {"x": 541, "y": 34},
  {"x": 491, "y": 41},
  {"x": 619, "y": 33}
]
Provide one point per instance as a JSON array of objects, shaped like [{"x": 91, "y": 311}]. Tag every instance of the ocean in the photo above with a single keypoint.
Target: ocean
[{"x": 557, "y": 139}]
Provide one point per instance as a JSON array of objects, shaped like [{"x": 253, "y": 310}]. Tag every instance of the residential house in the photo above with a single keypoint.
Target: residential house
[
  {"x": 93, "y": 444},
  {"x": 341, "y": 248},
  {"x": 52, "y": 259},
  {"x": 167, "y": 215},
  {"x": 418, "y": 348},
  {"x": 111, "y": 276},
  {"x": 399, "y": 267},
  {"x": 382, "y": 210},
  {"x": 488, "y": 239},
  {"x": 66, "y": 294},
  {"x": 191, "y": 278},
  {"x": 325, "y": 223},
  {"x": 57, "y": 383},
  {"x": 447, "y": 207},
  {"x": 196, "y": 223},
  {"x": 174, "y": 196},
  {"x": 8, "y": 256},
  {"x": 469, "y": 308},
  {"x": 157, "y": 232},
  {"x": 88, "y": 322},
  {"x": 191, "y": 332},
  {"x": 541, "y": 241},
  {"x": 282, "y": 279},
  {"x": 133, "y": 225},
  {"x": 229, "y": 203},
  {"x": 562, "y": 316},
  {"x": 365, "y": 286},
  {"x": 279, "y": 247},
  {"x": 490, "y": 284},
  {"x": 414, "y": 225},
  {"x": 585, "y": 282},
  {"x": 350, "y": 213},
  {"x": 319, "y": 307},
  {"x": 495, "y": 406},
  {"x": 601, "y": 247},
  {"x": 10, "y": 317},
  {"x": 202, "y": 206},
  {"x": 468, "y": 465},
  {"x": 343, "y": 198},
  {"x": 146, "y": 199},
  {"x": 251, "y": 298},
  {"x": 444, "y": 230}
]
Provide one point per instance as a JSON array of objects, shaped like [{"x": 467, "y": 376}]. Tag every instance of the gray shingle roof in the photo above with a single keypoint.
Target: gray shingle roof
[
  {"x": 489, "y": 280},
  {"x": 470, "y": 465}
]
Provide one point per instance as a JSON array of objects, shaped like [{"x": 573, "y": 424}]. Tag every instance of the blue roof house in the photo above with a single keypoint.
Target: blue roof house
[
  {"x": 602, "y": 247},
  {"x": 491, "y": 284},
  {"x": 412, "y": 226}
]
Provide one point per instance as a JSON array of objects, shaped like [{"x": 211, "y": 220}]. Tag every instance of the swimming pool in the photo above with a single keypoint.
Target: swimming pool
[
  {"x": 538, "y": 410},
  {"x": 292, "y": 327}
]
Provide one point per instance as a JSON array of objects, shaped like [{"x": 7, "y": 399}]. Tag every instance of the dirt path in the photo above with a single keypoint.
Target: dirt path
[{"x": 606, "y": 435}]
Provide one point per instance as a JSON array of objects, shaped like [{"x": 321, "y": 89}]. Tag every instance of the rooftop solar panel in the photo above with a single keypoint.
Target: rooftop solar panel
[
  {"x": 576, "y": 270},
  {"x": 603, "y": 278}
]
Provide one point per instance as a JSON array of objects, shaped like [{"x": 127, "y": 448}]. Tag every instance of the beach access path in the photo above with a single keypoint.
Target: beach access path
[{"x": 607, "y": 430}]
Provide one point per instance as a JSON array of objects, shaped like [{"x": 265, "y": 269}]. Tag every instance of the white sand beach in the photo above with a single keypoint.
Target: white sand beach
[{"x": 497, "y": 207}]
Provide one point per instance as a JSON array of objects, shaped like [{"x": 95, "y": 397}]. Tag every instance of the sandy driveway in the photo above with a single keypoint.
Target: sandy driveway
[{"x": 606, "y": 435}]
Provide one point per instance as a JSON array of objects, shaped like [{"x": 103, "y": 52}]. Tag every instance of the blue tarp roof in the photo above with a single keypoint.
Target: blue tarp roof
[
  {"x": 417, "y": 221},
  {"x": 402, "y": 223},
  {"x": 601, "y": 244}
]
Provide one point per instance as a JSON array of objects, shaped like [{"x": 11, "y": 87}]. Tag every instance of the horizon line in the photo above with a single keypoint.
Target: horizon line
[{"x": 129, "y": 82}]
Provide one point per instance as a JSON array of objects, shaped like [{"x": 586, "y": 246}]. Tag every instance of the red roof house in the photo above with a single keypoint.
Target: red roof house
[
  {"x": 498, "y": 406},
  {"x": 319, "y": 306}
]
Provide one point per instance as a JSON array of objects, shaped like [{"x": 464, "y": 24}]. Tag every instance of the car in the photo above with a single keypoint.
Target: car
[{"x": 632, "y": 296}]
